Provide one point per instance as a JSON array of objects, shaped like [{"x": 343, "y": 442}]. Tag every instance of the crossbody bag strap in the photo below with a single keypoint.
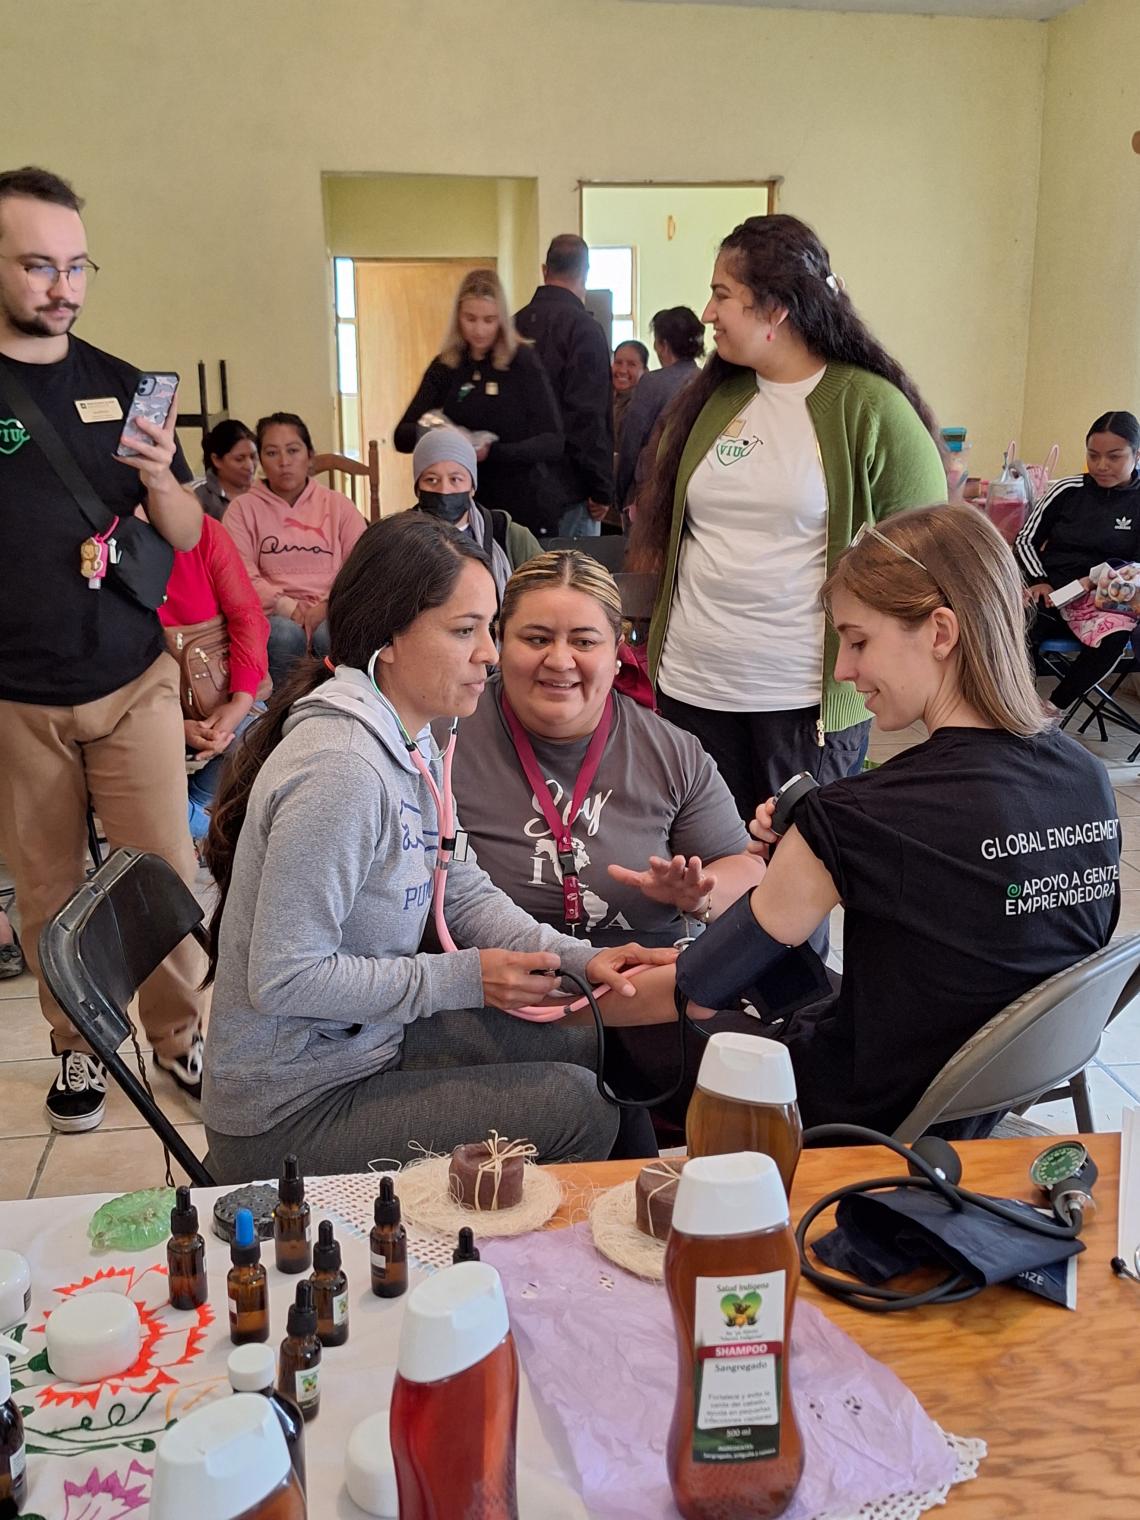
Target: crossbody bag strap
[{"x": 99, "y": 516}]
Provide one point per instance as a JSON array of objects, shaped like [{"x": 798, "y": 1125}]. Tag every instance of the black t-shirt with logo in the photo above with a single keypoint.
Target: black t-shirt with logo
[
  {"x": 971, "y": 868},
  {"x": 60, "y": 642}
]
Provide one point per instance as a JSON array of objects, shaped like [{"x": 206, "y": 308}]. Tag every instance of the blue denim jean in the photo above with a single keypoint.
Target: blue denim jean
[
  {"x": 202, "y": 786},
  {"x": 287, "y": 644},
  {"x": 576, "y": 522}
]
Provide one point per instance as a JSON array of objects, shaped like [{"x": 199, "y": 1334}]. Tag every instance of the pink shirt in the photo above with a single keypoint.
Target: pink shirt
[{"x": 293, "y": 552}]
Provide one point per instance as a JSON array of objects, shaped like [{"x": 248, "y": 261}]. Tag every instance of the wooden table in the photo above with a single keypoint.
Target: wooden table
[{"x": 1054, "y": 1393}]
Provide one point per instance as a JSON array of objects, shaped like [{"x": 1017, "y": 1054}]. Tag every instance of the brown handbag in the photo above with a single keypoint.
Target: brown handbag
[{"x": 202, "y": 652}]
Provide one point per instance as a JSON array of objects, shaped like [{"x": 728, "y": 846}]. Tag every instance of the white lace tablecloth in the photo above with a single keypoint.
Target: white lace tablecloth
[{"x": 90, "y": 1447}]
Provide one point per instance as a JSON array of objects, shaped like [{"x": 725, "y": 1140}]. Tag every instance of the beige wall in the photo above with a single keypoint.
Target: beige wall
[
  {"x": 1084, "y": 353},
  {"x": 670, "y": 271},
  {"x": 200, "y": 133}
]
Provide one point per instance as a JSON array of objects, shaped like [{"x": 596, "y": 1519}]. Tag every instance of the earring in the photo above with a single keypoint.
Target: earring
[{"x": 770, "y": 336}]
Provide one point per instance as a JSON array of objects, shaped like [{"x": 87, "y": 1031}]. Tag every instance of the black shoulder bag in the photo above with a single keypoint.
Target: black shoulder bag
[{"x": 144, "y": 558}]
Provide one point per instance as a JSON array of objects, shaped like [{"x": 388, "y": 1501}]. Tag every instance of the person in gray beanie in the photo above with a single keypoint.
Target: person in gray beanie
[{"x": 446, "y": 473}]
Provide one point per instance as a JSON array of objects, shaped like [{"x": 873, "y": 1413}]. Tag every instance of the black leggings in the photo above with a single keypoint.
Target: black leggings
[{"x": 1088, "y": 668}]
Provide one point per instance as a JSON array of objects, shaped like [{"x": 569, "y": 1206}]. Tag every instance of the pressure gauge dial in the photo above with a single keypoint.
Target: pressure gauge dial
[{"x": 1066, "y": 1161}]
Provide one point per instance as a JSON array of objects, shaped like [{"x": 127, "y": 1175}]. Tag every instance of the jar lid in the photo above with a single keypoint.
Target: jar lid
[
  {"x": 748, "y": 1068},
  {"x": 452, "y": 1320},
  {"x": 219, "y": 1461},
  {"x": 252, "y": 1368},
  {"x": 369, "y": 1471},
  {"x": 93, "y": 1336},
  {"x": 738, "y": 1194}
]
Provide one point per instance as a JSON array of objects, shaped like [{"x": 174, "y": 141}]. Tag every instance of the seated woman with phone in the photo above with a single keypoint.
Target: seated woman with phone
[
  {"x": 970, "y": 867},
  {"x": 332, "y": 1033}
]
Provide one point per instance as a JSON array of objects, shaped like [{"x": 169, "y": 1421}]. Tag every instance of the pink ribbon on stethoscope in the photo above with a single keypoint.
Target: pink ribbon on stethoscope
[{"x": 445, "y": 817}]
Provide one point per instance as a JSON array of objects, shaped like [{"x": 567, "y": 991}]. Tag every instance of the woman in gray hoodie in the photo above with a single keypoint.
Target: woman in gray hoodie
[{"x": 332, "y": 1033}]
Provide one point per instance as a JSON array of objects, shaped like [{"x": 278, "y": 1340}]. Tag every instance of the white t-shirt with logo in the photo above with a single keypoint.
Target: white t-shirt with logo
[{"x": 746, "y": 626}]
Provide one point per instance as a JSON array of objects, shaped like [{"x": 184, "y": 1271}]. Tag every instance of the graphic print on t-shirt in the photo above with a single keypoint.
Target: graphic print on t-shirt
[
  {"x": 13, "y": 435},
  {"x": 545, "y": 867},
  {"x": 735, "y": 444}
]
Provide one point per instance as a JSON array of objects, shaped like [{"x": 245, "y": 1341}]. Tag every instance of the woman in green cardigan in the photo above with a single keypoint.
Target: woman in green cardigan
[{"x": 800, "y": 430}]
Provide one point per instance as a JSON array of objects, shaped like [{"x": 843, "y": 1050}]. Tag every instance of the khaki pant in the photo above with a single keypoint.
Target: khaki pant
[{"x": 126, "y": 754}]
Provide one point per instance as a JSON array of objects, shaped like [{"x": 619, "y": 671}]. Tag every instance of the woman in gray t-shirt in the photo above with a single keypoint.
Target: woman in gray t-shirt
[{"x": 656, "y": 843}]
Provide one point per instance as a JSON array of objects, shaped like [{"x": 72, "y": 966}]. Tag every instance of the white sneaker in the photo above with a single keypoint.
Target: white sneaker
[
  {"x": 186, "y": 1069},
  {"x": 78, "y": 1096}
]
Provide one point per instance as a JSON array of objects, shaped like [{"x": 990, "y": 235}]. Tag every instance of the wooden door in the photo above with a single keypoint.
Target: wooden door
[{"x": 402, "y": 310}]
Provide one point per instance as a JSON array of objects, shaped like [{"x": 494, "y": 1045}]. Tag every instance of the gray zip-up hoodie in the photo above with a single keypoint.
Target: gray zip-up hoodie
[{"x": 319, "y": 966}]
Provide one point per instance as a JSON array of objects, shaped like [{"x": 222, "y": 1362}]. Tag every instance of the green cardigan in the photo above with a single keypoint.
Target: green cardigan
[{"x": 877, "y": 458}]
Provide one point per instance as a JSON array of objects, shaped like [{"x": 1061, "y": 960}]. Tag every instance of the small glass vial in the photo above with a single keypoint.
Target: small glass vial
[
  {"x": 247, "y": 1288},
  {"x": 13, "y": 1455},
  {"x": 253, "y": 1369},
  {"x": 745, "y": 1100},
  {"x": 299, "y": 1361},
  {"x": 226, "y": 1460},
  {"x": 455, "y": 1400},
  {"x": 292, "y": 1230},
  {"x": 388, "y": 1244},
  {"x": 186, "y": 1255},
  {"x": 731, "y": 1273},
  {"x": 330, "y": 1288}
]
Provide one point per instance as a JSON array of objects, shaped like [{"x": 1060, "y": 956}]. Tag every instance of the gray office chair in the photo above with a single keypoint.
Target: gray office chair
[{"x": 1037, "y": 1048}]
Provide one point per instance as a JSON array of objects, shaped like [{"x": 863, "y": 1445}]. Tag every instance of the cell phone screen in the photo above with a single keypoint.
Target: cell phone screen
[{"x": 153, "y": 398}]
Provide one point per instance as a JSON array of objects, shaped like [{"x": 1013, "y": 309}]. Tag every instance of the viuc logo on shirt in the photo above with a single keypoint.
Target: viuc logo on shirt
[{"x": 13, "y": 435}]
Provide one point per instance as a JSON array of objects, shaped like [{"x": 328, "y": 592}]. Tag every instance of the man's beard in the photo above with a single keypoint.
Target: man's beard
[{"x": 36, "y": 327}]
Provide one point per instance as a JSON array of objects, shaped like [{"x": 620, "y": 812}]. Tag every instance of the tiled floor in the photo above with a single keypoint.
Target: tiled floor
[{"x": 125, "y": 1154}]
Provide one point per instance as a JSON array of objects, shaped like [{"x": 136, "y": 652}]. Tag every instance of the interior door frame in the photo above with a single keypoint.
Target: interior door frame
[{"x": 773, "y": 184}]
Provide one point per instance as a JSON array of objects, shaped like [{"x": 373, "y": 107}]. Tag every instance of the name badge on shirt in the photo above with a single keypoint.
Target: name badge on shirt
[
  {"x": 491, "y": 388},
  {"x": 100, "y": 409},
  {"x": 732, "y": 446}
]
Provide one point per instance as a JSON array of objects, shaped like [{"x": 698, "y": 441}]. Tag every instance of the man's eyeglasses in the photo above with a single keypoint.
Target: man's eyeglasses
[
  {"x": 869, "y": 530},
  {"x": 44, "y": 277}
]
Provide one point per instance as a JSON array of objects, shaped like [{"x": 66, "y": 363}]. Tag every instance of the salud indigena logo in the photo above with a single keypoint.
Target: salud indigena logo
[{"x": 13, "y": 435}]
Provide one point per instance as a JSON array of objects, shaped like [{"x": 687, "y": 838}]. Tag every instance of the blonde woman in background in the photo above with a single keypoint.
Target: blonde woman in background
[{"x": 485, "y": 379}]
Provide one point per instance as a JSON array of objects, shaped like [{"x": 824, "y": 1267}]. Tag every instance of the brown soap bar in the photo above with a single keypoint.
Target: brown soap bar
[
  {"x": 656, "y": 1194},
  {"x": 476, "y": 1169}
]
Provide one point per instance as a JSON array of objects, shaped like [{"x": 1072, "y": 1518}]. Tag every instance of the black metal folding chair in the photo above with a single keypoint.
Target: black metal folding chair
[{"x": 100, "y": 948}]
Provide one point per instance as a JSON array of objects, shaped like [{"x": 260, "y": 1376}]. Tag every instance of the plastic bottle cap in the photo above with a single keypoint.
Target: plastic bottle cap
[
  {"x": 183, "y": 1216},
  {"x": 386, "y": 1209},
  {"x": 291, "y": 1188},
  {"x": 93, "y": 1336},
  {"x": 326, "y": 1252},
  {"x": 302, "y": 1320},
  {"x": 251, "y": 1368},
  {"x": 15, "y": 1288},
  {"x": 219, "y": 1461},
  {"x": 737, "y": 1194},
  {"x": 747, "y": 1068},
  {"x": 369, "y": 1472},
  {"x": 245, "y": 1248},
  {"x": 452, "y": 1320}
]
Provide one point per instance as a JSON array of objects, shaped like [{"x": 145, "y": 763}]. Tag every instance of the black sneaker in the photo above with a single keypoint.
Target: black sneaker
[
  {"x": 185, "y": 1069},
  {"x": 11, "y": 960},
  {"x": 78, "y": 1095}
]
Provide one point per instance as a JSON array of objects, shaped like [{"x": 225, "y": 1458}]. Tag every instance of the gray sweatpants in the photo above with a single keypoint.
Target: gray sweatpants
[{"x": 460, "y": 1074}]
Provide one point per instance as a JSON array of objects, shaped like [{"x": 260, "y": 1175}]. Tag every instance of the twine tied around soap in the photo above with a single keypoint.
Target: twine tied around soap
[
  {"x": 499, "y": 1149},
  {"x": 671, "y": 1174}
]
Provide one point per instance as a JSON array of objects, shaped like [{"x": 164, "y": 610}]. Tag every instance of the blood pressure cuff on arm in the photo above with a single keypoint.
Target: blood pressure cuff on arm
[{"x": 735, "y": 955}]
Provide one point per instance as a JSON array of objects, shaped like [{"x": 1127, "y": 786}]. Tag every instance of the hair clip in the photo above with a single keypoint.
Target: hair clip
[{"x": 835, "y": 283}]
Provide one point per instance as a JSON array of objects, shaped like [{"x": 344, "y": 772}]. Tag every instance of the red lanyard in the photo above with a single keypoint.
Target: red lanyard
[{"x": 560, "y": 828}]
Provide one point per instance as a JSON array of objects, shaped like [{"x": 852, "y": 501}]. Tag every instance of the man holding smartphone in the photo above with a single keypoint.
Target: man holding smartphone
[{"x": 89, "y": 708}]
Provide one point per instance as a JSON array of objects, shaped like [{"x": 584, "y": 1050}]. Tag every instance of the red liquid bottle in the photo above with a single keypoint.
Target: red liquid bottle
[
  {"x": 731, "y": 1272},
  {"x": 745, "y": 1100},
  {"x": 456, "y": 1399}
]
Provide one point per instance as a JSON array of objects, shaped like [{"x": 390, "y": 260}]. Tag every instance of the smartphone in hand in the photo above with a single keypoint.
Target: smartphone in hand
[{"x": 153, "y": 399}]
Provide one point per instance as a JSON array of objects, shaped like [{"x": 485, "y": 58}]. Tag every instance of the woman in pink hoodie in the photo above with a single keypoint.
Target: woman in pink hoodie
[{"x": 293, "y": 534}]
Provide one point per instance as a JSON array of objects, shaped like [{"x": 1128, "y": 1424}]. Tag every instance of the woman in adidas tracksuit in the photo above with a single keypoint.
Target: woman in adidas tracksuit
[{"x": 1079, "y": 522}]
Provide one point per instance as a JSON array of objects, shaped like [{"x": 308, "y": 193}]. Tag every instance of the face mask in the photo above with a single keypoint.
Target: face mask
[{"x": 450, "y": 506}]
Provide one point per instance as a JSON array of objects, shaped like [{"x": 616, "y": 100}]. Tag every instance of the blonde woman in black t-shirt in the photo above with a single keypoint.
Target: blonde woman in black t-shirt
[{"x": 972, "y": 866}]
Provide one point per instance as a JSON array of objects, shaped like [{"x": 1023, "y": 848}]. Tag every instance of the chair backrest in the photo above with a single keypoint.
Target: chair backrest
[
  {"x": 607, "y": 548},
  {"x": 341, "y": 464},
  {"x": 1038, "y": 1041},
  {"x": 638, "y": 593},
  {"x": 98, "y": 950}
]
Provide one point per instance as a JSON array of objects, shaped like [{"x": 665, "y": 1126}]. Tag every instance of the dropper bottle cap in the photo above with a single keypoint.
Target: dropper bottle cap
[
  {"x": 291, "y": 1187},
  {"x": 302, "y": 1320},
  {"x": 466, "y": 1250},
  {"x": 183, "y": 1216},
  {"x": 326, "y": 1252},
  {"x": 387, "y": 1206},
  {"x": 245, "y": 1248}
]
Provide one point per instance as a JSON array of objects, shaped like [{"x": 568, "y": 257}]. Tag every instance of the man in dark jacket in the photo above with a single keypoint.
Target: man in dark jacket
[{"x": 576, "y": 355}]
